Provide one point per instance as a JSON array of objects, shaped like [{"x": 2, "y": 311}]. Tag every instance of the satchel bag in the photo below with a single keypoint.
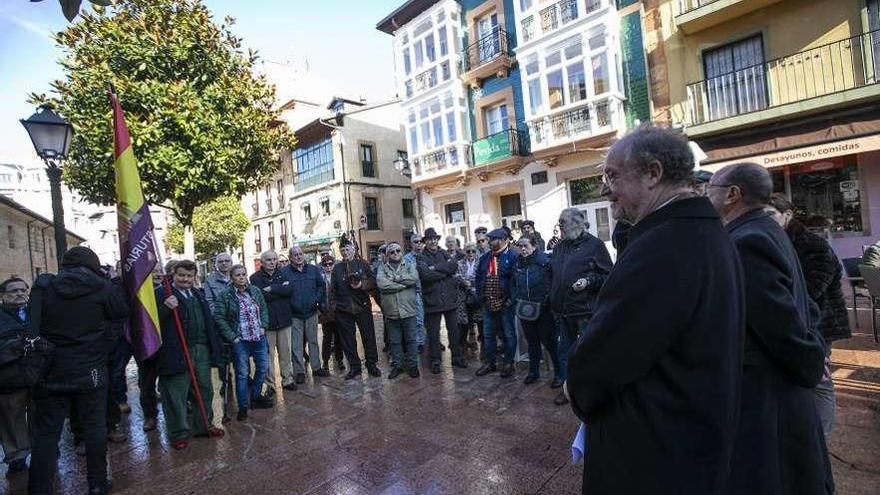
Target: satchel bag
[{"x": 527, "y": 310}]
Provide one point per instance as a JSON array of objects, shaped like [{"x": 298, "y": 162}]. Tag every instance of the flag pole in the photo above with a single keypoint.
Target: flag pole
[{"x": 186, "y": 356}]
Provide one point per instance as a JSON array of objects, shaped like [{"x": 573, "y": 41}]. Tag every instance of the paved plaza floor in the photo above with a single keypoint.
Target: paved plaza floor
[{"x": 449, "y": 433}]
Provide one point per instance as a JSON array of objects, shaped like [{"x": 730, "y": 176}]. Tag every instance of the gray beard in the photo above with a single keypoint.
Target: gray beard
[{"x": 571, "y": 235}]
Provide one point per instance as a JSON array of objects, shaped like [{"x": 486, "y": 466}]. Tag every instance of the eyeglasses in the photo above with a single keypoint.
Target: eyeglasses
[
  {"x": 394, "y": 251},
  {"x": 327, "y": 264},
  {"x": 470, "y": 250},
  {"x": 418, "y": 242}
]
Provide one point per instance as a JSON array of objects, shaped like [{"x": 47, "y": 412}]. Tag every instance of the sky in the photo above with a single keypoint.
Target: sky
[{"x": 335, "y": 41}]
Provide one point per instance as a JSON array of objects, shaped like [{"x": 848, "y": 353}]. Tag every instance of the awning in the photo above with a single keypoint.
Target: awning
[{"x": 807, "y": 153}]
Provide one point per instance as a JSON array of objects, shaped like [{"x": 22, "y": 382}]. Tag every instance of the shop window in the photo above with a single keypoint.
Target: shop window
[
  {"x": 826, "y": 194},
  {"x": 455, "y": 212},
  {"x": 586, "y": 190}
]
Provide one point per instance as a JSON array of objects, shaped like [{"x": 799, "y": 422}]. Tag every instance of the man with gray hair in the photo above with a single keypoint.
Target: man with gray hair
[
  {"x": 784, "y": 353},
  {"x": 218, "y": 280},
  {"x": 276, "y": 291},
  {"x": 578, "y": 268},
  {"x": 215, "y": 283},
  {"x": 655, "y": 374},
  {"x": 308, "y": 295}
]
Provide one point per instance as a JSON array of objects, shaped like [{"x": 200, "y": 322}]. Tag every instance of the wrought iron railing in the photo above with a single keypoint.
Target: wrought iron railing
[
  {"x": 559, "y": 13},
  {"x": 426, "y": 80},
  {"x": 685, "y": 6},
  {"x": 527, "y": 27},
  {"x": 571, "y": 124},
  {"x": 838, "y": 66},
  {"x": 486, "y": 49},
  {"x": 311, "y": 178},
  {"x": 498, "y": 146}
]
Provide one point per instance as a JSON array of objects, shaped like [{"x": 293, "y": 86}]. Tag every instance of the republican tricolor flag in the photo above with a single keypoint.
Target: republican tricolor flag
[{"x": 136, "y": 243}]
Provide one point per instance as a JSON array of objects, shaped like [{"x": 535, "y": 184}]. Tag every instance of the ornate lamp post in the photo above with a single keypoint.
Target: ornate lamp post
[
  {"x": 402, "y": 166},
  {"x": 51, "y": 135}
]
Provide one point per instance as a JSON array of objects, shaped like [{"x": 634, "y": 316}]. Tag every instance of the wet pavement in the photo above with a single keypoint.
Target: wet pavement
[{"x": 447, "y": 433}]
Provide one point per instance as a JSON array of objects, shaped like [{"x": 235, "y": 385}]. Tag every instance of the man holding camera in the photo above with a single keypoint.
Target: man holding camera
[{"x": 350, "y": 285}]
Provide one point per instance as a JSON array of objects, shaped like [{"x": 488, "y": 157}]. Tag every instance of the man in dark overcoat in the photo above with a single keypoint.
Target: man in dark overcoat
[
  {"x": 655, "y": 375},
  {"x": 780, "y": 447}
]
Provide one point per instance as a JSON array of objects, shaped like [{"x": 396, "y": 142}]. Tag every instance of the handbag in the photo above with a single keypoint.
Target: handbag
[{"x": 527, "y": 310}]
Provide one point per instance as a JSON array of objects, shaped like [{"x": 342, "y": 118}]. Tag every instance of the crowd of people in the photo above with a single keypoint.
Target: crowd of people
[{"x": 700, "y": 360}]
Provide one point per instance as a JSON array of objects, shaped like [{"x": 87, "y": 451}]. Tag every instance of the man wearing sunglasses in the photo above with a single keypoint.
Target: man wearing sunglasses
[
  {"x": 397, "y": 279},
  {"x": 418, "y": 245}
]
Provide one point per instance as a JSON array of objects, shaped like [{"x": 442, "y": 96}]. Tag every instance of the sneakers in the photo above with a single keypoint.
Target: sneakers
[
  {"x": 414, "y": 372},
  {"x": 486, "y": 369},
  {"x": 507, "y": 371},
  {"x": 530, "y": 379},
  {"x": 149, "y": 424},
  {"x": 395, "y": 372},
  {"x": 560, "y": 399},
  {"x": 351, "y": 375},
  {"x": 373, "y": 370},
  {"x": 116, "y": 435},
  {"x": 300, "y": 378},
  {"x": 242, "y": 414},
  {"x": 323, "y": 372}
]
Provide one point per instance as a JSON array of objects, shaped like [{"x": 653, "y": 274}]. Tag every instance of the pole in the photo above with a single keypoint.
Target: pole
[
  {"x": 54, "y": 173},
  {"x": 192, "y": 371}
]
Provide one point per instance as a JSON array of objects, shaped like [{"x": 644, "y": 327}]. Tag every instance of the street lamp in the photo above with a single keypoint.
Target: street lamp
[
  {"x": 51, "y": 135},
  {"x": 402, "y": 166}
]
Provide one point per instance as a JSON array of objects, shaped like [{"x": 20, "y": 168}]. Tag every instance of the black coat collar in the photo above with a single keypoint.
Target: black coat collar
[
  {"x": 747, "y": 217},
  {"x": 696, "y": 207}
]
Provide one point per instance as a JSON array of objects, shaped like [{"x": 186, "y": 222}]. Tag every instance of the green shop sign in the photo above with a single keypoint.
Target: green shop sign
[{"x": 492, "y": 148}]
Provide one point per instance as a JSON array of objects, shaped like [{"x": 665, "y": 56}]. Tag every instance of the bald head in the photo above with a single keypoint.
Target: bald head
[{"x": 739, "y": 188}]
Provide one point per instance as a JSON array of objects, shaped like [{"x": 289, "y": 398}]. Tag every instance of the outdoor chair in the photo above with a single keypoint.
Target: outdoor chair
[
  {"x": 872, "y": 280},
  {"x": 856, "y": 283}
]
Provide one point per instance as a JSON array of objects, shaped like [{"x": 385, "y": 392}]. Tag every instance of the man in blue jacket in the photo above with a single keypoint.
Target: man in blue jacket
[
  {"x": 494, "y": 274},
  {"x": 276, "y": 289},
  {"x": 307, "y": 296}
]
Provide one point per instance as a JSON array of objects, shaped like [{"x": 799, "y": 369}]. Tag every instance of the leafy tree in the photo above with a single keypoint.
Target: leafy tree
[
  {"x": 218, "y": 226},
  {"x": 203, "y": 125},
  {"x": 71, "y": 7}
]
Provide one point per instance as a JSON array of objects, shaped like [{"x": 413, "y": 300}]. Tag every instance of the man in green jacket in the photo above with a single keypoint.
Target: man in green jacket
[
  {"x": 397, "y": 281},
  {"x": 242, "y": 318}
]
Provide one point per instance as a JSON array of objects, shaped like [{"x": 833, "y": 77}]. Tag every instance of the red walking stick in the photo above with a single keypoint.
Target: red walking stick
[{"x": 187, "y": 358}]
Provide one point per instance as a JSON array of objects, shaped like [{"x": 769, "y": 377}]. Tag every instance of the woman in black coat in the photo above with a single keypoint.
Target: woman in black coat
[{"x": 823, "y": 273}]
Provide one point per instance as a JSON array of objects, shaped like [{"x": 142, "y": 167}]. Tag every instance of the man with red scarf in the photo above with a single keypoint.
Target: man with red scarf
[{"x": 493, "y": 278}]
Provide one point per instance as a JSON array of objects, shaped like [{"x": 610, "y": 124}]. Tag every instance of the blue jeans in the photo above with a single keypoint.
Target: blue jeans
[
  {"x": 244, "y": 350},
  {"x": 570, "y": 328},
  {"x": 399, "y": 331},
  {"x": 493, "y": 323}
]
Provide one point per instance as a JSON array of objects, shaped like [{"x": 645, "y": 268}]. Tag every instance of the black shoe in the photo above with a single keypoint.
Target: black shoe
[
  {"x": 323, "y": 372},
  {"x": 421, "y": 348},
  {"x": 352, "y": 374},
  {"x": 116, "y": 435},
  {"x": 530, "y": 379},
  {"x": 459, "y": 363},
  {"x": 486, "y": 369},
  {"x": 395, "y": 372},
  {"x": 270, "y": 392},
  {"x": 507, "y": 371},
  {"x": 442, "y": 348},
  {"x": 242, "y": 414},
  {"x": 374, "y": 370},
  {"x": 262, "y": 403},
  {"x": 557, "y": 382},
  {"x": 16, "y": 467},
  {"x": 101, "y": 489},
  {"x": 560, "y": 399},
  {"x": 300, "y": 378},
  {"x": 436, "y": 369},
  {"x": 289, "y": 386},
  {"x": 340, "y": 365},
  {"x": 413, "y": 372}
]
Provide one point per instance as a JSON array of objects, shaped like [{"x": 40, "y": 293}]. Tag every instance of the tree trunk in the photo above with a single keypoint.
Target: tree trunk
[{"x": 189, "y": 243}]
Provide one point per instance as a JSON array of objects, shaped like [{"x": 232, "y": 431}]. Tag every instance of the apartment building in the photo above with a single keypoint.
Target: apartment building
[
  {"x": 534, "y": 96},
  {"x": 340, "y": 180},
  {"x": 791, "y": 85}
]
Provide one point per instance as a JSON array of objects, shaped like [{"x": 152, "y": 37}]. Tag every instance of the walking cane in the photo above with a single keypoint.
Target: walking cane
[{"x": 187, "y": 358}]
